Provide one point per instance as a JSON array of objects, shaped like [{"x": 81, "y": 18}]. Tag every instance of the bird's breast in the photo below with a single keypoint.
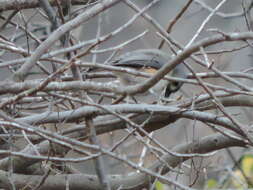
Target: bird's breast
[{"x": 128, "y": 79}]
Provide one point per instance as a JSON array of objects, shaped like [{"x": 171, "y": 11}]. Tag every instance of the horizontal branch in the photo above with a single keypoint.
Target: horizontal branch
[
  {"x": 169, "y": 112},
  {"x": 10, "y": 87}
]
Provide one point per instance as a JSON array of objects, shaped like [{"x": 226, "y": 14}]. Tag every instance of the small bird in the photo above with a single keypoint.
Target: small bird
[{"x": 149, "y": 60}]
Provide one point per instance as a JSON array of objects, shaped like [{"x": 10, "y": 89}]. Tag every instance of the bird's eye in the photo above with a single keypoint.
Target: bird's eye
[{"x": 175, "y": 86}]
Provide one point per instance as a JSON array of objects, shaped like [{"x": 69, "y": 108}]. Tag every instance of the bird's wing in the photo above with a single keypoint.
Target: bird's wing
[{"x": 139, "y": 60}]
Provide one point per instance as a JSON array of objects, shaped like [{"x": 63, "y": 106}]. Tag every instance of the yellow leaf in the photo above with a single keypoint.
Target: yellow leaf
[
  {"x": 211, "y": 183},
  {"x": 247, "y": 165},
  {"x": 159, "y": 185}
]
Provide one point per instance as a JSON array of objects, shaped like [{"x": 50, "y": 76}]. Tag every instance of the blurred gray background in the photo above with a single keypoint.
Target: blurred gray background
[{"x": 183, "y": 130}]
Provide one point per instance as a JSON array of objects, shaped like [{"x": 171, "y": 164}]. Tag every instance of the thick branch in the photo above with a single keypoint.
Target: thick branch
[{"x": 169, "y": 112}]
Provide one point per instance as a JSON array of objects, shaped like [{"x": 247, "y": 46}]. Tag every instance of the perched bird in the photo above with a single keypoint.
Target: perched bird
[{"x": 149, "y": 60}]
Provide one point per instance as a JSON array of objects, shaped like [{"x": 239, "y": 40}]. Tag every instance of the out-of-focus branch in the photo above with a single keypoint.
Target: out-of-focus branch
[
  {"x": 98, "y": 162},
  {"x": 6, "y": 5},
  {"x": 175, "y": 19},
  {"x": 135, "y": 180},
  {"x": 224, "y": 15},
  {"x": 174, "y": 112},
  {"x": 21, "y": 74},
  {"x": 50, "y": 13},
  {"x": 20, "y": 164}
]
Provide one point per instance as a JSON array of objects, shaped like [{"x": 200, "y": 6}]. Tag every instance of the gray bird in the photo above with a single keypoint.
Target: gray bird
[{"x": 149, "y": 60}]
